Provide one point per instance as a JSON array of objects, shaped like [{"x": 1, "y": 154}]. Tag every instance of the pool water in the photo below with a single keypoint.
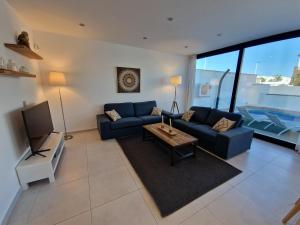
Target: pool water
[{"x": 281, "y": 115}]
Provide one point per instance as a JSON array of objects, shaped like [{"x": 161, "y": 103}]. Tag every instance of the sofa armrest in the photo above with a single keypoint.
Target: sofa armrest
[
  {"x": 102, "y": 118},
  {"x": 177, "y": 116},
  {"x": 166, "y": 113},
  {"x": 103, "y": 124},
  {"x": 173, "y": 116},
  {"x": 236, "y": 132},
  {"x": 234, "y": 141}
]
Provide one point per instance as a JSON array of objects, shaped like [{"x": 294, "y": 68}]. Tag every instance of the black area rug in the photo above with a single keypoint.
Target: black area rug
[{"x": 174, "y": 187}]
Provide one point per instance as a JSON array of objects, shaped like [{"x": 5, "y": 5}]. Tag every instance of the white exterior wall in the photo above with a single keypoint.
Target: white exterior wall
[
  {"x": 213, "y": 77},
  {"x": 249, "y": 92}
]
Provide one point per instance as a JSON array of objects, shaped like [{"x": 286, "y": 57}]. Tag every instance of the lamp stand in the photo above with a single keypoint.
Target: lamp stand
[
  {"x": 175, "y": 104},
  {"x": 66, "y": 136}
]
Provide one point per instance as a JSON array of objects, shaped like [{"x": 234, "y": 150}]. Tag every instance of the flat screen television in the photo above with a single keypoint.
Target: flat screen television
[{"x": 38, "y": 125}]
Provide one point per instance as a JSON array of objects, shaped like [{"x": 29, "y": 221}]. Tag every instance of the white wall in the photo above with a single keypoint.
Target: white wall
[
  {"x": 90, "y": 68},
  {"x": 13, "y": 91},
  {"x": 285, "y": 90}
]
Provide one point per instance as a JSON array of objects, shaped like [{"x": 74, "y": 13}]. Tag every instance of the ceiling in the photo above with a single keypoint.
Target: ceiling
[{"x": 196, "y": 23}]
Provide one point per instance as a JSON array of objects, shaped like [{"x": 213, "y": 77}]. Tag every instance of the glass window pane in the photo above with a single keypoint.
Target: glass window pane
[
  {"x": 211, "y": 79},
  {"x": 269, "y": 89}
]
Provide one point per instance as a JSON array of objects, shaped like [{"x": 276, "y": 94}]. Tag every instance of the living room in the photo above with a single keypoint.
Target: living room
[{"x": 185, "y": 117}]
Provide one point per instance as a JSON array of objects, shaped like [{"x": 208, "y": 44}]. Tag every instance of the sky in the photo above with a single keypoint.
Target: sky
[{"x": 276, "y": 58}]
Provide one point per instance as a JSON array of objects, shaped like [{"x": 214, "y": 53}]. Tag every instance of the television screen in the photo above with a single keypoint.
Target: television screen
[{"x": 38, "y": 124}]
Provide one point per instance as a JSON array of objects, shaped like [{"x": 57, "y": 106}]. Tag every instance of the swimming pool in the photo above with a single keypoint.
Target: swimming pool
[{"x": 282, "y": 115}]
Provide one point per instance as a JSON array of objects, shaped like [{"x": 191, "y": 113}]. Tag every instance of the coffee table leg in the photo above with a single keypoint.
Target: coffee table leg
[
  {"x": 147, "y": 135},
  {"x": 194, "y": 151},
  {"x": 144, "y": 134}
]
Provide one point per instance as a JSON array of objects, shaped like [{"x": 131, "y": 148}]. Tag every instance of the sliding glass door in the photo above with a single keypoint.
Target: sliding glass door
[
  {"x": 214, "y": 80},
  {"x": 269, "y": 89},
  {"x": 263, "y": 84}
]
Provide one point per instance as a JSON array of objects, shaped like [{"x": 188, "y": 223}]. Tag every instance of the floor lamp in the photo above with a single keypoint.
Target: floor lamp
[
  {"x": 175, "y": 81},
  {"x": 58, "y": 79}
]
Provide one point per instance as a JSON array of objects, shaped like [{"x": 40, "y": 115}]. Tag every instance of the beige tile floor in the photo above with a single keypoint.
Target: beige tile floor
[{"x": 96, "y": 185}]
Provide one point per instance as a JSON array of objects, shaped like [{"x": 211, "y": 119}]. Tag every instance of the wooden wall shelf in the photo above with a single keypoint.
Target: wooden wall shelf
[
  {"x": 23, "y": 50},
  {"x": 4, "y": 72}
]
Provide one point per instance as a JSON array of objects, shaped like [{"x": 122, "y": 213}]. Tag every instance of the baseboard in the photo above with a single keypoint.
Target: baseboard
[
  {"x": 17, "y": 196},
  {"x": 78, "y": 131},
  {"x": 11, "y": 207}
]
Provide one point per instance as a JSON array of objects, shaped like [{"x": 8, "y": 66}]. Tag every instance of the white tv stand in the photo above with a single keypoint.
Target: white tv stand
[{"x": 38, "y": 167}]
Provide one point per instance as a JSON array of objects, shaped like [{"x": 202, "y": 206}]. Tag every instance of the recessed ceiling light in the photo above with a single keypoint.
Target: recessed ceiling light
[
  {"x": 219, "y": 34},
  {"x": 170, "y": 18},
  {"x": 81, "y": 24},
  {"x": 145, "y": 38}
]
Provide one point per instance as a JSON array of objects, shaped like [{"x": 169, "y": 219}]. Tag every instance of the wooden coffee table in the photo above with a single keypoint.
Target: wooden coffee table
[{"x": 173, "y": 143}]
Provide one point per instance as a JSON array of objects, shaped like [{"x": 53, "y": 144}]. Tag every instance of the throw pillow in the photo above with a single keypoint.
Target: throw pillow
[
  {"x": 187, "y": 115},
  {"x": 113, "y": 115},
  {"x": 156, "y": 111},
  {"x": 223, "y": 125}
]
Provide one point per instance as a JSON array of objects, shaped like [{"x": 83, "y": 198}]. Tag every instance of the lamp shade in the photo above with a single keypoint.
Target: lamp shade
[
  {"x": 176, "y": 80},
  {"x": 57, "y": 78}
]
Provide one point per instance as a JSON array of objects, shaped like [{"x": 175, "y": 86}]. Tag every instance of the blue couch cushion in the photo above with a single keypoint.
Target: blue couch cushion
[
  {"x": 201, "y": 114},
  {"x": 203, "y": 132},
  {"x": 144, "y": 108},
  {"x": 124, "y": 109},
  {"x": 150, "y": 119},
  {"x": 183, "y": 125},
  {"x": 215, "y": 115},
  {"x": 126, "y": 122}
]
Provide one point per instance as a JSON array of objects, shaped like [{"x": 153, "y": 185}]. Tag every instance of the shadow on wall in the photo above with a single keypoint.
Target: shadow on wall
[{"x": 17, "y": 131}]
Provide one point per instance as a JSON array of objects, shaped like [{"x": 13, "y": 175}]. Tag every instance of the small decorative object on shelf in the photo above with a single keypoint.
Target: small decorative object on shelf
[
  {"x": 23, "y": 69},
  {"x": 23, "y": 39},
  {"x": 2, "y": 63},
  {"x": 6, "y": 72},
  {"x": 11, "y": 65}
]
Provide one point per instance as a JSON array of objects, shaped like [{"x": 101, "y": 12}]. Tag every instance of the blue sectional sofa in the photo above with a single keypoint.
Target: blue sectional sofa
[
  {"x": 226, "y": 144},
  {"x": 134, "y": 116}
]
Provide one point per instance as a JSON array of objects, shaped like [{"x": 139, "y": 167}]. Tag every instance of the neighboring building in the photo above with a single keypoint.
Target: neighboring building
[
  {"x": 273, "y": 80},
  {"x": 295, "y": 81}
]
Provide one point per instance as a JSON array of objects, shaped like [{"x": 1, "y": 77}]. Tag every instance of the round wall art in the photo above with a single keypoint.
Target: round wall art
[{"x": 128, "y": 80}]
